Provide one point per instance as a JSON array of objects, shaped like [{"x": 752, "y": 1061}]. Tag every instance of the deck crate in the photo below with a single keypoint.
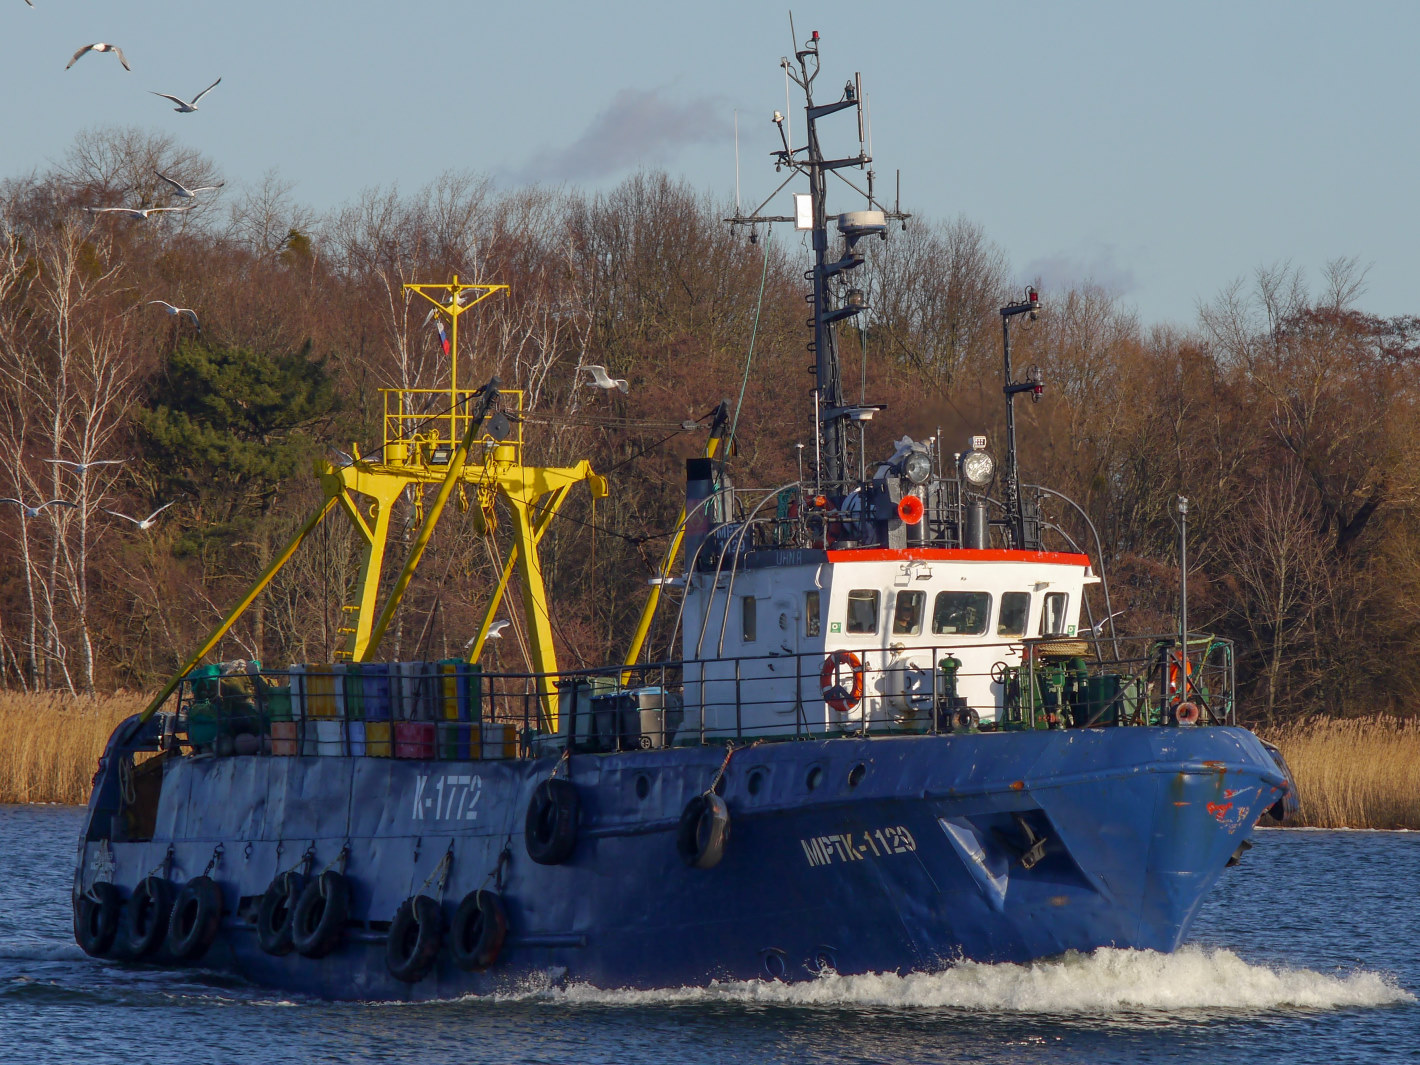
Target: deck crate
[
  {"x": 499, "y": 740},
  {"x": 377, "y": 739},
  {"x": 414, "y": 739},
  {"x": 284, "y": 737}
]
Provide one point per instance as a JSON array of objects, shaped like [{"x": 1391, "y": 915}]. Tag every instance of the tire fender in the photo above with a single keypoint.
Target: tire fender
[
  {"x": 196, "y": 919},
  {"x": 550, "y": 831},
  {"x": 479, "y": 930},
  {"x": 704, "y": 831},
  {"x": 318, "y": 921},
  {"x": 415, "y": 936}
]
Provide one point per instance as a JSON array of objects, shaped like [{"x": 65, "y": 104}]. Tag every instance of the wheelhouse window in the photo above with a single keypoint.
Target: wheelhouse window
[
  {"x": 749, "y": 619},
  {"x": 812, "y": 625},
  {"x": 907, "y": 613},
  {"x": 863, "y": 612},
  {"x": 1052, "y": 615},
  {"x": 1015, "y": 609},
  {"x": 961, "y": 613}
]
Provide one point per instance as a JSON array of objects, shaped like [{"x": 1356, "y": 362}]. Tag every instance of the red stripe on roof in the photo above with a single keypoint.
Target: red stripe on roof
[{"x": 948, "y": 554}]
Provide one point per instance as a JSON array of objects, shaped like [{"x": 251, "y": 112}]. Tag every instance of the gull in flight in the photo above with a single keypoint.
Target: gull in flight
[
  {"x": 140, "y": 213},
  {"x": 82, "y": 468},
  {"x": 183, "y": 107},
  {"x": 187, "y": 311},
  {"x": 33, "y": 512},
  {"x": 99, "y": 47},
  {"x": 182, "y": 191},
  {"x": 602, "y": 379},
  {"x": 495, "y": 632},
  {"x": 146, "y": 523}
]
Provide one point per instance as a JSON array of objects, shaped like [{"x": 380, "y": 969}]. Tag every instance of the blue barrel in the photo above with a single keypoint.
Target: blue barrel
[{"x": 375, "y": 686}]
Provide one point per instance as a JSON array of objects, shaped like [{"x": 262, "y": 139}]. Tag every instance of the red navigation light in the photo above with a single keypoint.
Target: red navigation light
[
  {"x": 820, "y": 501},
  {"x": 815, "y": 34},
  {"x": 910, "y": 510},
  {"x": 1032, "y": 295}
]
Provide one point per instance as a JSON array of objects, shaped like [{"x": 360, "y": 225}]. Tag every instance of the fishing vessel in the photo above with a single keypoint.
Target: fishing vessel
[{"x": 894, "y": 736}]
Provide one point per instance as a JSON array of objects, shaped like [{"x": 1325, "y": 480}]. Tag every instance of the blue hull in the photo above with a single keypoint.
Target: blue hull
[{"x": 909, "y": 863}]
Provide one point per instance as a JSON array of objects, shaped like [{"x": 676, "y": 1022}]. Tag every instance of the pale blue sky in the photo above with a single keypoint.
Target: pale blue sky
[{"x": 1163, "y": 150}]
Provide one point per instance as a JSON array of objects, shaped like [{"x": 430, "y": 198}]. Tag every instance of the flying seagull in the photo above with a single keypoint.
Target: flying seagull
[
  {"x": 183, "y": 107},
  {"x": 99, "y": 47},
  {"x": 187, "y": 311},
  {"x": 495, "y": 632},
  {"x": 602, "y": 379},
  {"x": 139, "y": 213},
  {"x": 82, "y": 468},
  {"x": 33, "y": 512},
  {"x": 182, "y": 191},
  {"x": 146, "y": 523}
]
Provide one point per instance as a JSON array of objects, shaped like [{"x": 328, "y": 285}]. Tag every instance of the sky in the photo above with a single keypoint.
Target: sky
[{"x": 1162, "y": 151}]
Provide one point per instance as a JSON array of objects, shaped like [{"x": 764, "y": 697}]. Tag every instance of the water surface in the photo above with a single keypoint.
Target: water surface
[{"x": 1307, "y": 952}]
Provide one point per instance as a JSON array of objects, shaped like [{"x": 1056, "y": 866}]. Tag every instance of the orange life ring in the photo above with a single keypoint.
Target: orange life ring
[
  {"x": 840, "y": 698},
  {"x": 1173, "y": 673}
]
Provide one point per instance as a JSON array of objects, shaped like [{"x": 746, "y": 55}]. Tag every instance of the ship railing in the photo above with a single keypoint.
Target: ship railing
[
  {"x": 423, "y": 426},
  {"x": 454, "y": 710}
]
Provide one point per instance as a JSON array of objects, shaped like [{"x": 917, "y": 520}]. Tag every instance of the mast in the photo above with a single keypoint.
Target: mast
[{"x": 811, "y": 213}]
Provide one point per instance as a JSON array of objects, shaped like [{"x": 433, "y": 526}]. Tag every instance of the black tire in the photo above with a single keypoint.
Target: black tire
[
  {"x": 550, "y": 832},
  {"x": 273, "y": 916},
  {"x": 96, "y": 917},
  {"x": 965, "y": 719},
  {"x": 478, "y": 932},
  {"x": 415, "y": 936},
  {"x": 318, "y": 921},
  {"x": 145, "y": 916},
  {"x": 704, "y": 831},
  {"x": 196, "y": 919}
]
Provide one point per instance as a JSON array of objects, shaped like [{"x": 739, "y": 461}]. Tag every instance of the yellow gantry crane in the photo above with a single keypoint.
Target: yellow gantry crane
[{"x": 469, "y": 440}]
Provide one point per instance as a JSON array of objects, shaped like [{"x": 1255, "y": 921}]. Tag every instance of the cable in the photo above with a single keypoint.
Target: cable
[{"x": 754, "y": 332}]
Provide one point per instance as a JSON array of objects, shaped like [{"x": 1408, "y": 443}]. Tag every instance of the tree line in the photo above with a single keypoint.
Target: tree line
[{"x": 1282, "y": 412}]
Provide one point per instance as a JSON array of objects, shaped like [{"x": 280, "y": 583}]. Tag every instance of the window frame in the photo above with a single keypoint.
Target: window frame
[
  {"x": 985, "y": 613},
  {"x": 921, "y": 611},
  {"x": 1025, "y": 620},
  {"x": 1045, "y": 613},
  {"x": 855, "y": 595},
  {"x": 749, "y": 619},
  {"x": 813, "y": 614}
]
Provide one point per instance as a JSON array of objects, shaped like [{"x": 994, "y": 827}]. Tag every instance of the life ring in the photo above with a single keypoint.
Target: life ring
[
  {"x": 1173, "y": 673},
  {"x": 550, "y": 831},
  {"x": 195, "y": 920},
  {"x": 835, "y": 694},
  {"x": 415, "y": 936},
  {"x": 479, "y": 929},
  {"x": 145, "y": 917},
  {"x": 318, "y": 921},
  {"x": 1186, "y": 714},
  {"x": 273, "y": 916},
  {"x": 96, "y": 915},
  {"x": 704, "y": 831}
]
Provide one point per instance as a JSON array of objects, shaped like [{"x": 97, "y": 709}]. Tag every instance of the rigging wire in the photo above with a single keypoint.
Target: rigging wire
[{"x": 754, "y": 332}]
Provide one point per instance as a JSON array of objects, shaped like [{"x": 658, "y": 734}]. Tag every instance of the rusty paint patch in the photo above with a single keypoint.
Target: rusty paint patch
[
  {"x": 1214, "y": 764},
  {"x": 1017, "y": 785},
  {"x": 1178, "y": 803},
  {"x": 1228, "y": 793},
  {"x": 1059, "y": 900},
  {"x": 1219, "y": 810}
]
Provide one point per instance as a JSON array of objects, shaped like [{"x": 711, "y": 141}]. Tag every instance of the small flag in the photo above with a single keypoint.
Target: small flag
[{"x": 443, "y": 334}]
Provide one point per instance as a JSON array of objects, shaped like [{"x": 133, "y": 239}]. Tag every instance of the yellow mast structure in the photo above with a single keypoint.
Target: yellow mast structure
[{"x": 464, "y": 440}]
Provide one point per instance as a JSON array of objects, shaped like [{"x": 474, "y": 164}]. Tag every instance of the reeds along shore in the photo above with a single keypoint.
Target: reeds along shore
[
  {"x": 1356, "y": 773},
  {"x": 50, "y": 743}
]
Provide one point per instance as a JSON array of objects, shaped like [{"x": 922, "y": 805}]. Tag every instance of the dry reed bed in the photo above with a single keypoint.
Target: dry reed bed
[
  {"x": 1355, "y": 773},
  {"x": 50, "y": 743},
  {"x": 1358, "y": 773}
]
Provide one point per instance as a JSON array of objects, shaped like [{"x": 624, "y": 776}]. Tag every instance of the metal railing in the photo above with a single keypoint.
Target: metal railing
[{"x": 452, "y": 710}]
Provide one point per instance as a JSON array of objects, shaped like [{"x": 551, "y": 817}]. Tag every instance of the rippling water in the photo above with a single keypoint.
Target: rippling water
[{"x": 1306, "y": 953}]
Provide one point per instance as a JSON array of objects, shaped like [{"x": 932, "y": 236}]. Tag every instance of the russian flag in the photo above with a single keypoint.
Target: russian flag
[{"x": 443, "y": 334}]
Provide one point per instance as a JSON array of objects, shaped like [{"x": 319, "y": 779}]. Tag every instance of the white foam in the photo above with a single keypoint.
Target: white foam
[
  {"x": 1106, "y": 981},
  {"x": 34, "y": 948}
]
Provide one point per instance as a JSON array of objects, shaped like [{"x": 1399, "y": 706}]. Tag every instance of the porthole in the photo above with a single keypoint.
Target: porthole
[
  {"x": 643, "y": 785},
  {"x": 856, "y": 775},
  {"x": 755, "y": 782},
  {"x": 815, "y": 777}
]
